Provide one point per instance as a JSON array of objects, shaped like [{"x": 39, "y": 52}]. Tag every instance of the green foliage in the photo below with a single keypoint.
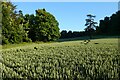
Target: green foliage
[
  {"x": 16, "y": 28},
  {"x": 4, "y": 40},
  {"x": 110, "y": 25},
  {"x": 67, "y": 60},
  {"x": 90, "y": 23},
  {"x": 12, "y": 28},
  {"x": 43, "y": 26},
  {"x": 70, "y": 34}
]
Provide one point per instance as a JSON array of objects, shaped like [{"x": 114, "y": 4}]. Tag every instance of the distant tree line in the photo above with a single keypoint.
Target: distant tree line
[
  {"x": 70, "y": 34},
  {"x": 43, "y": 26},
  {"x": 17, "y": 28},
  {"x": 108, "y": 26}
]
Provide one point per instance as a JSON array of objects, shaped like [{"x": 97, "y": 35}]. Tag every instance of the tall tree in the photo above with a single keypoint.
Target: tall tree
[
  {"x": 104, "y": 26},
  {"x": 110, "y": 25},
  {"x": 90, "y": 23},
  {"x": 115, "y": 23},
  {"x": 43, "y": 26},
  {"x": 12, "y": 28}
]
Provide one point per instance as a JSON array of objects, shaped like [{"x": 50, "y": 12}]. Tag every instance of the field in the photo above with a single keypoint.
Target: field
[{"x": 71, "y": 60}]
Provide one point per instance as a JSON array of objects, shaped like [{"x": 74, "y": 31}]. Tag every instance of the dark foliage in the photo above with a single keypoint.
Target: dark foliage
[
  {"x": 12, "y": 25},
  {"x": 43, "y": 26},
  {"x": 17, "y": 28},
  {"x": 110, "y": 25},
  {"x": 70, "y": 34}
]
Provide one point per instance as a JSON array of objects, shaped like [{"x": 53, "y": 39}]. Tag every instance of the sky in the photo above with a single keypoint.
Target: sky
[
  {"x": 71, "y": 15},
  {"x": 64, "y": 0}
]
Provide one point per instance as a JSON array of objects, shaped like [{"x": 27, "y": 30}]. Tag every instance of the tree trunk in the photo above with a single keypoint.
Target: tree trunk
[{"x": 90, "y": 35}]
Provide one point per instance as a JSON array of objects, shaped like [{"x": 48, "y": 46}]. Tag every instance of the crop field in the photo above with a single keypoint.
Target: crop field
[{"x": 71, "y": 60}]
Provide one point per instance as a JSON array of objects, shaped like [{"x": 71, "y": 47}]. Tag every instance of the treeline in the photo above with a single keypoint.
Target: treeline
[
  {"x": 74, "y": 34},
  {"x": 108, "y": 26},
  {"x": 17, "y": 28},
  {"x": 70, "y": 34},
  {"x": 43, "y": 26}
]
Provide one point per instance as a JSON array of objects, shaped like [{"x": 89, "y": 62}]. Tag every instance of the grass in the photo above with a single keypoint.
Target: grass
[
  {"x": 95, "y": 38},
  {"x": 8, "y": 46},
  {"x": 62, "y": 60},
  {"x": 87, "y": 37}
]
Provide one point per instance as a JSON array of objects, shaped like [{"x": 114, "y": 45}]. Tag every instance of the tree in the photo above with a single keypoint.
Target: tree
[
  {"x": 63, "y": 34},
  {"x": 104, "y": 25},
  {"x": 90, "y": 24},
  {"x": 110, "y": 25},
  {"x": 43, "y": 26},
  {"x": 12, "y": 28},
  {"x": 115, "y": 24},
  {"x": 70, "y": 34}
]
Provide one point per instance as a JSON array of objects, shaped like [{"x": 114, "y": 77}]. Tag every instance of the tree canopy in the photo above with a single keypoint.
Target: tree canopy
[
  {"x": 43, "y": 26},
  {"x": 12, "y": 29},
  {"x": 90, "y": 23},
  {"x": 17, "y": 27},
  {"x": 110, "y": 25}
]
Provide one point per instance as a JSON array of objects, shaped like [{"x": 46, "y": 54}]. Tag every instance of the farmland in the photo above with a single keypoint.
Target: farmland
[{"x": 63, "y": 60}]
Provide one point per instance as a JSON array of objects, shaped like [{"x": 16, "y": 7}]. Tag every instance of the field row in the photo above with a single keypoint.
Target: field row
[{"x": 86, "y": 62}]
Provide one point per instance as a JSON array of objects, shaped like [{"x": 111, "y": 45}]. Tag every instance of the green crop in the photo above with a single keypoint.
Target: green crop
[{"x": 65, "y": 60}]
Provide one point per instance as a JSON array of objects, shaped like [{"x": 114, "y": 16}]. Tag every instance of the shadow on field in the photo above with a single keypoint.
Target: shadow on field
[{"x": 86, "y": 38}]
